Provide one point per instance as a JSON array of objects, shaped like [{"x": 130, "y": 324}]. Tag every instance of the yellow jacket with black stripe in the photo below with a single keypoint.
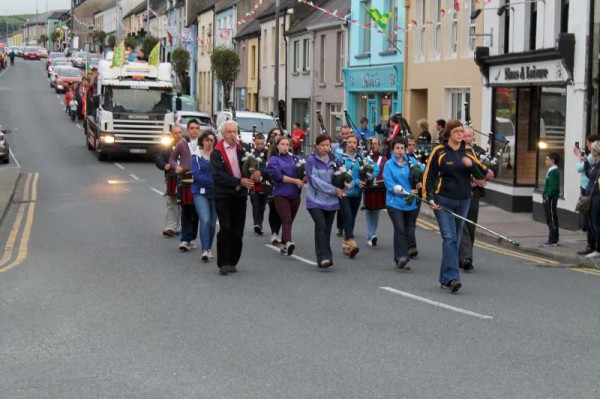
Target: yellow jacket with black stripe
[{"x": 447, "y": 176}]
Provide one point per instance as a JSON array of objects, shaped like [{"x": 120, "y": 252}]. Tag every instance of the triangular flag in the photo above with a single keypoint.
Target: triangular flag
[
  {"x": 119, "y": 55},
  {"x": 153, "y": 58}
]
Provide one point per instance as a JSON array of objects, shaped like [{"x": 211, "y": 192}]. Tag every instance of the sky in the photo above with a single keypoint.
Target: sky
[{"x": 12, "y": 7}]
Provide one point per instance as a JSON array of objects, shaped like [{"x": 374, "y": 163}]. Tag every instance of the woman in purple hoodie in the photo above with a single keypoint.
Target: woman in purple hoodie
[{"x": 286, "y": 191}]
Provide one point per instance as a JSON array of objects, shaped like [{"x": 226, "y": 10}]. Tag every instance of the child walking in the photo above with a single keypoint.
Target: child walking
[
  {"x": 550, "y": 198},
  {"x": 73, "y": 104}
]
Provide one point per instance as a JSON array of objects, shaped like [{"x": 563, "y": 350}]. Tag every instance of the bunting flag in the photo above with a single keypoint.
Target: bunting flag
[
  {"x": 119, "y": 55},
  {"x": 153, "y": 58},
  {"x": 380, "y": 19},
  {"x": 456, "y": 6}
]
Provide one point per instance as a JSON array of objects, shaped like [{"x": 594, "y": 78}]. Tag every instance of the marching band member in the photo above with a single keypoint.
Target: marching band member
[
  {"x": 286, "y": 191},
  {"x": 173, "y": 216},
  {"x": 396, "y": 176},
  {"x": 447, "y": 187},
  {"x": 338, "y": 149},
  {"x": 411, "y": 145},
  {"x": 258, "y": 199},
  {"x": 274, "y": 219},
  {"x": 202, "y": 192},
  {"x": 322, "y": 197},
  {"x": 180, "y": 161},
  {"x": 372, "y": 215},
  {"x": 350, "y": 203},
  {"x": 477, "y": 191},
  {"x": 230, "y": 191}
]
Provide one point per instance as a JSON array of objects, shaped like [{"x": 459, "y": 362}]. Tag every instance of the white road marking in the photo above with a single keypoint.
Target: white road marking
[
  {"x": 435, "y": 303},
  {"x": 121, "y": 181},
  {"x": 118, "y": 165},
  {"x": 79, "y": 126},
  {"x": 301, "y": 259},
  {"x": 134, "y": 177},
  {"x": 157, "y": 191},
  {"x": 57, "y": 96},
  {"x": 15, "y": 158}
]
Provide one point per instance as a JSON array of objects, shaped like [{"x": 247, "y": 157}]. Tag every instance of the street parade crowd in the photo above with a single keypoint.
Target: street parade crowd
[{"x": 209, "y": 181}]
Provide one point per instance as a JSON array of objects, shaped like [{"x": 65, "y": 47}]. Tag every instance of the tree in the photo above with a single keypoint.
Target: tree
[
  {"x": 55, "y": 36},
  {"x": 43, "y": 39},
  {"x": 112, "y": 41},
  {"x": 130, "y": 42},
  {"x": 180, "y": 59},
  {"x": 99, "y": 36},
  {"x": 148, "y": 44},
  {"x": 225, "y": 65}
]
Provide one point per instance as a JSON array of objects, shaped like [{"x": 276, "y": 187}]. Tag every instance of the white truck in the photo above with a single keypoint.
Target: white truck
[{"x": 132, "y": 110}]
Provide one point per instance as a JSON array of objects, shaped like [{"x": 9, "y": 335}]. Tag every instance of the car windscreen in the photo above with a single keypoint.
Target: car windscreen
[
  {"x": 31, "y": 49},
  {"x": 263, "y": 125},
  {"x": 56, "y": 55},
  {"x": 204, "y": 120},
  {"x": 125, "y": 99},
  {"x": 68, "y": 72},
  {"x": 80, "y": 55}
]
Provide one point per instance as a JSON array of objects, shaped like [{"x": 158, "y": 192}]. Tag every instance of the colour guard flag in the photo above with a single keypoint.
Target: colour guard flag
[
  {"x": 153, "y": 58},
  {"x": 119, "y": 55},
  {"x": 380, "y": 19}
]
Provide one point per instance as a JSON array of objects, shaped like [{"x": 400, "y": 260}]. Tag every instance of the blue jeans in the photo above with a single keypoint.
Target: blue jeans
[
  {"x": 450, "y": 229},
  {"x": 372, "y": 217},
  {"x": 349, "y": 206},
  {"x": 403, "y": 228},
  {"x": 205, "y": 207}
]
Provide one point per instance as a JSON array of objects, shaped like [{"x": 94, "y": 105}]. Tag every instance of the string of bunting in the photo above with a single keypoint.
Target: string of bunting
[{"x": 253, "y": 10}]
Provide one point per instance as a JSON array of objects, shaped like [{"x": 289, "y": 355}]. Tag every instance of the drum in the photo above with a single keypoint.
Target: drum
[
  {"x": 171, "y": 185},
  {"x": 258, "y": 187},
  {"x": 375, "y": 197},
  {"x": 185, "y": 192}
]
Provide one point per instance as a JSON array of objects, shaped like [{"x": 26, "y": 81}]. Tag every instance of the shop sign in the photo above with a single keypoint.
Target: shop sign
[
  {"x": 532, "y": 72},
  {"x": 371, "y": 79}
]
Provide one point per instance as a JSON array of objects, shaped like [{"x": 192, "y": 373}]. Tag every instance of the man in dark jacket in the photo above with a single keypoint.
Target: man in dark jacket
[
  {"x": 173, "y": 217},
  {"x": 258, "y": 197},
  {"x": 230, "y": 191}
]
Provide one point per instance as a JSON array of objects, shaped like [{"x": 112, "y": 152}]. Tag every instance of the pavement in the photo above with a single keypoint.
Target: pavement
[{"x": 519, "y": 227}]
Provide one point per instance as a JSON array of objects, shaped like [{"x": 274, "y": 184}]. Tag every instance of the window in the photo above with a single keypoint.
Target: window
[
  {"x": 340, "y": 59},
  {"x": 306, "y": 55},
  {"x": 322, "y": 61},
  {"x": 453, "y": 29},
  {"x": 336, "y": 119},
  {"x": 296, "y": 56},
  {"x": 365, "y": 34},
  {"x": 457, "y": 100},
  {"x": 265, "y": 48},
  {"x": 390, "y": 40},
  {"x": 273, "y": 43},
  {"x": 564, "y": 16},
  {"x": 532, "y": 25},
  {"x": 281, "y": 45},
  {"x": 203, "y": 40},
  {"x": 209, "y": 34},
  {"x": 420, "y": 30},
  {"x": 472, "y": 29},
  {"x": 265, "y": 104},
  {"x": 552, "y": 115},
  {"x": 252, "y": 62},
  {"x": 437, "y": 38}
]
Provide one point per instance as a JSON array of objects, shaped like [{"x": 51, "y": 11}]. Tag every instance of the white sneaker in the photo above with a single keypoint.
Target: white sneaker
[
  {"x": 184, "y": 246},
  {"x": 274, "y": 239},
  {"x": 204, "y": 256},
  {"x": 369, "y": 242},
  {"x": 210, "y": 255},
  {"x": 193, "y": 246},
  {"x": 593, "y": 255}
]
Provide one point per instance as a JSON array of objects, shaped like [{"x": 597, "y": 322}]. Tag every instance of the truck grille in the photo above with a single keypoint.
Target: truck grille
[{"x": 137, "y": 131}]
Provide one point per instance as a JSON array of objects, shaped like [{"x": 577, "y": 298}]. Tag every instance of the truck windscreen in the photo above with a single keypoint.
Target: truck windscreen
[{"x": 125, "y": 99}]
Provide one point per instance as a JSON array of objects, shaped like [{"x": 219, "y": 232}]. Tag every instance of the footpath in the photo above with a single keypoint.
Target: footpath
[{"x": 517, "y": 226}]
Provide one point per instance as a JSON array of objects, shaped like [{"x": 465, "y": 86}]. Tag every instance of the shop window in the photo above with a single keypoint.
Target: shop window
[
  {"x": 457, "y": 99},
  {"x": 505, "y": 101},
  {"x": 552, "y": 115}
]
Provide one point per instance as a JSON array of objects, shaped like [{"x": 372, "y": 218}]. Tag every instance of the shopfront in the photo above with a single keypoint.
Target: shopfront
[
  {"x": 529, "y": 94},
  {"x": 373, "y": 92}
]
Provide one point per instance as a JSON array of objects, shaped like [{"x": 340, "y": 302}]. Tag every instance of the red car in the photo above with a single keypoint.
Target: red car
[
  {"x": 31, "y": 53},
  {"x": 65, "y": 76}
]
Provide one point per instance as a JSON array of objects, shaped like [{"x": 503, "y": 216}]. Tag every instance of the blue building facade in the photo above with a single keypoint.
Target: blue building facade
[{"x": 373, "y": 80}]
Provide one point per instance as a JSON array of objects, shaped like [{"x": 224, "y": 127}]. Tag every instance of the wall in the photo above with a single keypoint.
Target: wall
[{"x": 205, "y": 81}]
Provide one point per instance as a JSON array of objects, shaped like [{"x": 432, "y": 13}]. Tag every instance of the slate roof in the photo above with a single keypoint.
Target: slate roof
[{"x": 320, "y": 18}]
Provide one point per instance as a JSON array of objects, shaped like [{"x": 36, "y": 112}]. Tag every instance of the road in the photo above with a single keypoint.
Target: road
[{"x": 94, "y": 302}]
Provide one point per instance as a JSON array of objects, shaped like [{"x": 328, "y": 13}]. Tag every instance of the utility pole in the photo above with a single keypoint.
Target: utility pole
[
  {"x": 276, "y": 61},
  {"x": 148, "y": 17},
  {"x": 72, "y": 32},
  {"x": 118, "y": 22}
]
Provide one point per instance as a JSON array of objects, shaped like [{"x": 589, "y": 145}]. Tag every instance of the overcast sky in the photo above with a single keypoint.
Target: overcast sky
[{"x": 12, "y": 7}]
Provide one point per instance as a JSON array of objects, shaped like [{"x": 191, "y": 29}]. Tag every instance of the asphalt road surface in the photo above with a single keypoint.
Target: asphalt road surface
[{"x": 94, "y": 302}]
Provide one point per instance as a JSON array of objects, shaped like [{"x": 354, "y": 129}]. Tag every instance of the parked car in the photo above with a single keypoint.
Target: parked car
[
  {"x": 249, "y": 122},
  {"x": 43, "y": 52},
  {"x": 4, "y": 147},
  {"x": 31, "y": 53},
  {"x": 92, "y": 60},
  {"x": 183, "y": 117},
  {"x": 78, "y": 59},
  {"x": 187, "y": 102},
  {"x": 56, "y": 62},
  {"x": 65, "y": 76},
  {"x": 60, "y": 64},
  {"x": 52, "y": 55},
  {"x": 20, "y": 51}
]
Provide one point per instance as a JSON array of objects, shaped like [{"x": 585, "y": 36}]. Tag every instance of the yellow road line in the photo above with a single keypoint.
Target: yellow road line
[
  {"x": 595, "y": 272},
  {"x": 24, "y": 245},
  {"x": 12, "y": 236}
]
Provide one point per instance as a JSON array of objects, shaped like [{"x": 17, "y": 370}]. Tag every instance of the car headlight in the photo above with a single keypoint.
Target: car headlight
[{"x": 166, "y": 140}]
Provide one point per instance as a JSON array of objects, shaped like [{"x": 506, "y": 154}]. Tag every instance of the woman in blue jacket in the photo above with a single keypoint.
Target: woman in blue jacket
[
  {"x": 202, "y": 192},
  {"x": 322, "y": 197},
  {"x": 286, "y": 191},
  {"x": 396, "y": 177}
]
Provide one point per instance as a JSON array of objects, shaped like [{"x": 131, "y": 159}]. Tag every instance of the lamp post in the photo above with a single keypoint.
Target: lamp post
[{"x": 276, "y": 61}]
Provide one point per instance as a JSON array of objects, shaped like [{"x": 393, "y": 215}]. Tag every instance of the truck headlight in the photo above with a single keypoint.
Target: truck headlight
[
  {"x": 166, "y": 140},
  {"x": 108, "y": 139}
]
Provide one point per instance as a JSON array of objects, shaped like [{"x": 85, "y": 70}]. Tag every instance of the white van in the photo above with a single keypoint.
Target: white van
[{"x": 249, "y": 123}]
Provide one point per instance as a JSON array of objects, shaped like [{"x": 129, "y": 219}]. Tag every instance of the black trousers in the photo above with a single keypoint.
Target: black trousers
[
  {"x": 259, "y": 203},
  {"x": 589, "y": 226},
  {"x": 468, "y": 231},
  {"x": 189, "y": 223},
  {"x": 323, "y": 222},
  {"x": 231, "y": 212},
  {"x": 411, "y": 237},
  {"x": 551, "y": 218},
  {"x": 274, "y": 219}
]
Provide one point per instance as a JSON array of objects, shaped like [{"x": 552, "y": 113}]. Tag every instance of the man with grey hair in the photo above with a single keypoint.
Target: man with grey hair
[{"x": 230, "y": 192}]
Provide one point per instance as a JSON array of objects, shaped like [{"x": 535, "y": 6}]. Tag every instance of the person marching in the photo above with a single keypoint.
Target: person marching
[
  {"x": 350, "y": 203},
  {"x": 230, "y": 192},
  {"x": 339, "y": 148},
  {"x": 286, "y": 191},
  {"x": 202, "y": 192},
  {"x": 274, "y": 219},
  {"x": 372, "y": 215},
  {"x": 181, "y": 162},
  {"x": 477, "y": 191},
  {"x": 258, "y": 199},
  {"x": 447, "y": 188},
  {"x": 173, "y": 214},
  {"x": 586, "y": 161},
  {"x": 411, "y": 145},
  {"x": 322, "y": 197},
  {"x": 396, "y": 176}
]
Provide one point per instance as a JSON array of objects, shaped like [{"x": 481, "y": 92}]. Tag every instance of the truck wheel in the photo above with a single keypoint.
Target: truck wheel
[
  {"x": 87, "y": 141},
  {"x": 102, "y": 157}
]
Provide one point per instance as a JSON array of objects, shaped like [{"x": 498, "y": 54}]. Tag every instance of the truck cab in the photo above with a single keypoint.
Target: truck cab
[{"x": 132, "y": 111}]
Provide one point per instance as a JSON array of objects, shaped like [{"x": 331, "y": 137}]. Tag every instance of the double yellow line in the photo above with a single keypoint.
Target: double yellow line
[{"x": 26, "y": 211}]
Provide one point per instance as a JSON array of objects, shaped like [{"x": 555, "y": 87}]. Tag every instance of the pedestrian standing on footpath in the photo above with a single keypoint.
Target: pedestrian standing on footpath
[
  {"x": 173, "y": 213},
  {"x": 447, "y": 187},
  {"x": 202, "y": 192},
  {"x": 424, "y": 128},
  {"x": 230, "y": 191},
  {"x": 322, "y": 197},
  {"x": 298, "y": 138},
  {"x": 586, "y": 161},
  {"x": 286, "y": 191},
  {"x": 258, "y": 196},
  {"x": 181, "y": 162},
  {"x": 550, "y": 198},
  {"x": 594, "y": 191}
]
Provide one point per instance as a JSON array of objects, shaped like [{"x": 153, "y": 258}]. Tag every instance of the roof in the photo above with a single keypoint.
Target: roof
[
  {"x": 58, "y": 14},
  {"x": 223, "y": 5},
  {"x": 39, "y": 18},
  {"x": 269, "y": 13},
  {"x": 249, "y": 30},
  {"x": 136, "y": 10},
  {"x": 324, "y": 19}
]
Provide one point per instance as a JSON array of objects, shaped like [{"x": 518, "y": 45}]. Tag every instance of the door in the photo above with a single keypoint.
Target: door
[{"x": 371, "y": 113}]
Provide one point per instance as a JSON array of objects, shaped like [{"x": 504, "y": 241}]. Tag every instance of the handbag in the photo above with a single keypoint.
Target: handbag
[{"x": 584, "y": 203}]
